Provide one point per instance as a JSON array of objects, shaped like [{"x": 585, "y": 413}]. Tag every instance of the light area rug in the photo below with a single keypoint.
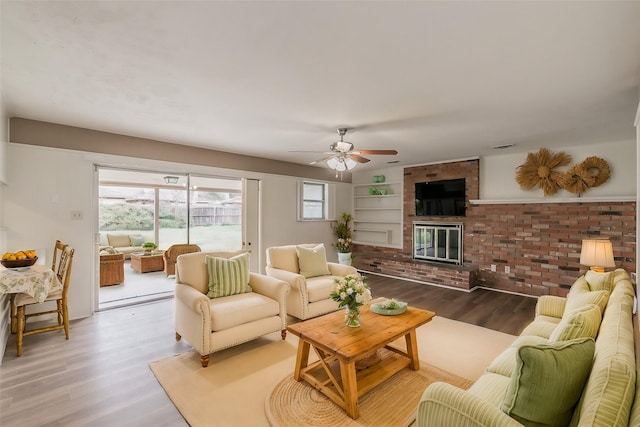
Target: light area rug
[
  {"x": 392, "y": 403},
  {"x": 233, "y": 388}
]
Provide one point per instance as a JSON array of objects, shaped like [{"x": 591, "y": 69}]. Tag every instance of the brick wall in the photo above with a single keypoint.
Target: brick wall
[{"x": 540, "y": 242}]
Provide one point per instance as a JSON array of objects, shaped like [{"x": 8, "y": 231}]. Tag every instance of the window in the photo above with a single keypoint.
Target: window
[{"x": 314, "y": 201}]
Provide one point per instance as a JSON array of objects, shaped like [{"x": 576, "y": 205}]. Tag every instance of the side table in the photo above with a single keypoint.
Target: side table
[{"x": 144, "y": 263}]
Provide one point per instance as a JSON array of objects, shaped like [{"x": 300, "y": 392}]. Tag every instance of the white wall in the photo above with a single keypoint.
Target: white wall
[
  {"x": 497, "y": 173},
  {"x": 46, "y": 184}
]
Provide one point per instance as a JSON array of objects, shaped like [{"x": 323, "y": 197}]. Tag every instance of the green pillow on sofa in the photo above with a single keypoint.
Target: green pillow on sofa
[
  {"x": 576, "y": 300},
  {"x": 312, "y": 261},
  {"x": 599, "y": 281},
  {"x": 548, "y": 381},
  {"x": 228, "y": 276},
  {"x": 583, "y": 322},
  {"x": 136, "y": 239}
]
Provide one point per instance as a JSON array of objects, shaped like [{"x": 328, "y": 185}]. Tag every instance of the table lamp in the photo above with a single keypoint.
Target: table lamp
[{"x": 597, "y": 254}]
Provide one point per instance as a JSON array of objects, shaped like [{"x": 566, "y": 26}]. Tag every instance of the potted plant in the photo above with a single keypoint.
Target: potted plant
[
  {"x": 344, "y": 244},
  {"x": 149, "y": 247}
]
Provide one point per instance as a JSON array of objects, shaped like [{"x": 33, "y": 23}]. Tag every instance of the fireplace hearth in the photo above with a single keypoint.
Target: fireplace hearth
[{"x": 438, "y": 242}]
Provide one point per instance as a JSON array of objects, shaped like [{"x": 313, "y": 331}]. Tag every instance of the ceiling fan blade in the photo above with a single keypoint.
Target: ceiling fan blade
[
  {"x": 359, "y": 159},
  {"x": 308, "y": 151},
  {"x": 370, "y": 152}
]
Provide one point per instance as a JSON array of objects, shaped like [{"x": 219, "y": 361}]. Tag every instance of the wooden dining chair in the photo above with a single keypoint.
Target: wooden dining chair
[{"x": 61, "y": 265}]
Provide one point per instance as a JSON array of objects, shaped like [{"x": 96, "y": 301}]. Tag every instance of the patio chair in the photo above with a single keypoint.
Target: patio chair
[{"x": 171, "y": 255}]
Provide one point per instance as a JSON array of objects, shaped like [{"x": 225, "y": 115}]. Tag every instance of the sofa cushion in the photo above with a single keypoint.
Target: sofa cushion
[
  {"x": 577, "y": 300},
  {"x": 239, "y": 309},
  {"x": 312, "y": 261},
  {"x": 491, "y": 388},
  {"x": 609, "y": 393},
  {"x": 582, "y": 322},
  {"x": 108, "y": 250},
  {"x": 284, "y": 258},
  {"x": 136, "y": 239},
  {"x": 505, "y": 363},
  {"x": 228, "y": 276},
  {"x": 599, "y": 281},
  {"x": 548, "y": 381},
  {"x": 116, "y": 240},
  {"x": 319, "y": 288},
  {"x": 543, "y": 326}
]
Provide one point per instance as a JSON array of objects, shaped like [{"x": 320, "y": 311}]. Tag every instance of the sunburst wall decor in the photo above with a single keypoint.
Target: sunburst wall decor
[{"x": 539, "y": 170}]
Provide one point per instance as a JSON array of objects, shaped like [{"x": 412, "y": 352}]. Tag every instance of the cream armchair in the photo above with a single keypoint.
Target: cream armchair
[
  {"x": 308, "y": 296},
  {"x": 210, "y": 325}
]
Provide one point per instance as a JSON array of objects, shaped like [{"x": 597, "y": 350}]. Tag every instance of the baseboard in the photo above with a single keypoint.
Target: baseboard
[
  {"x": 447, "y": 287},
  {"x": 420, "y": 281}
]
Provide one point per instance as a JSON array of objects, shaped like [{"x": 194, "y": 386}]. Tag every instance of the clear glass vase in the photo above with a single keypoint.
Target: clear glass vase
[{"x": 352, "y": 317}]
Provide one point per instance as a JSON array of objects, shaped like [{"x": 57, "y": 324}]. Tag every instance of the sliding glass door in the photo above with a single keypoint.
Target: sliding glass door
[
  {"x": 215, "y": 206},
  {"x": 166, "y": 209}
]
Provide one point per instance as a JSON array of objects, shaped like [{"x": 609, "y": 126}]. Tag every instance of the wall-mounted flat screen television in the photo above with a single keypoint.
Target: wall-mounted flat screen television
[{"x": 441, "y": 198}]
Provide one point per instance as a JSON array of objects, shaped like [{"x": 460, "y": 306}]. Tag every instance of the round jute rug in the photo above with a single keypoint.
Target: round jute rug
[{"x": 394, "y": 402}]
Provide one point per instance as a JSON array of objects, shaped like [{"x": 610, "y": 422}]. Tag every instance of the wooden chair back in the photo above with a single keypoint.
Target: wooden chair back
[{"x": 61, "y": 264}]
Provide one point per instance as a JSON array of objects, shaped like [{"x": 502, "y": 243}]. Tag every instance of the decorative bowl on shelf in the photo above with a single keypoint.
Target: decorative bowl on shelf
[
  {"x": 389, "y": 307},
  {"x": 16, "y": 263}
]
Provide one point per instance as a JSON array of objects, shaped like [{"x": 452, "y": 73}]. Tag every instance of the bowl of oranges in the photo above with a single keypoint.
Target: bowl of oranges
[{"x": 18, "y": 259}]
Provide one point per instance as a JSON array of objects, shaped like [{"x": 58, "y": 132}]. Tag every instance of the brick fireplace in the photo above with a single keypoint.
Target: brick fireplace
[{"x": 539, "y": 242}]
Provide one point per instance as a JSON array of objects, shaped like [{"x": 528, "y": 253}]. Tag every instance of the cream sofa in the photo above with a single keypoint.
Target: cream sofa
[
  {"x": 210, "y": 325},
  {"x": 125, "y": 244},
  {"x": 605, "y": 399},
  {"x": 308, "y": 296}
]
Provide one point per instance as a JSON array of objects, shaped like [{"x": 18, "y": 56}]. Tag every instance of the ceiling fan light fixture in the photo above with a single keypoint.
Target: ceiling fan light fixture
[
  {"x": 350, "y": 163},
  {"x": 332, "y": 163},
  {"x": 171, "y": 179},
  {"x": 342, "y": 146},
  {"x": 341, "y": 166}
]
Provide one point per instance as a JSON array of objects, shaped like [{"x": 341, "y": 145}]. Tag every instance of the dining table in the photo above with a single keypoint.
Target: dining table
[{"x": 37, "y": 281}]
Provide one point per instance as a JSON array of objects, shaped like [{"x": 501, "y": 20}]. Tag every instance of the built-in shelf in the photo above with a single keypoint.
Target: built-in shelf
[
  {"x": 382, "y": 195},
  {"x": 386, "y": 233},
  {"x": 378, "y": 217}
]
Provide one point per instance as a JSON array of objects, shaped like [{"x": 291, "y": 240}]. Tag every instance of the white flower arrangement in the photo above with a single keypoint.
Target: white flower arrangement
[{"x": 351, "y": 291}]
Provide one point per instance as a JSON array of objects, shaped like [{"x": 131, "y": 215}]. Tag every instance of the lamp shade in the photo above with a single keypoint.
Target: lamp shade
[{"x": 597, "y": 254}]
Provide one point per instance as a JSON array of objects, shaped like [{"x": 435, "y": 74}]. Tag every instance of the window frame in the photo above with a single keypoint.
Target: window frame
[{"x": 303, "y": 199}]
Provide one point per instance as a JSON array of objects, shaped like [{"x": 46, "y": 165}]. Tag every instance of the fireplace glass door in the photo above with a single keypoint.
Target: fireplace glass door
[{"x": 438, "y": 242}]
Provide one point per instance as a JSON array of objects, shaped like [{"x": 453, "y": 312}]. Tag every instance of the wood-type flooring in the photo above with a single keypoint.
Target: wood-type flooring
[{"x": 100, "y": 377}]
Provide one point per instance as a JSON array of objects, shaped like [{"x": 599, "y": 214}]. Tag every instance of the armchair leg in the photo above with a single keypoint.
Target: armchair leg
[
  {"x": 178, "y": 337},
  {"x": 283, "y": 333},
  {"x": 204, "y": 360}
]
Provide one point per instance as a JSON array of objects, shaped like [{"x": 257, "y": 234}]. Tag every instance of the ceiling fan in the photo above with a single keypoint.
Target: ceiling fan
[{"x": 343, "y": 156}]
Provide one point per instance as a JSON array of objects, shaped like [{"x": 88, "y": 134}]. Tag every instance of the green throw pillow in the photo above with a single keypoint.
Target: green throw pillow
[
  {"x": 548, "y": 381},
  {"x": 228, "y": 276},
  {"x": 599, "y": 281},
  {"x": 312, "y": 261},
  {"x": 136, "y": 239},
  {"x": 577, "y": 300},
  {"x": 583, "y": 322}
]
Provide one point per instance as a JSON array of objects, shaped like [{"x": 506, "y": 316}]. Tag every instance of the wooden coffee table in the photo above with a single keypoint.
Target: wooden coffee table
[
  {"x": 341, "y": 346},
  {"x": 144, "y": 263}
]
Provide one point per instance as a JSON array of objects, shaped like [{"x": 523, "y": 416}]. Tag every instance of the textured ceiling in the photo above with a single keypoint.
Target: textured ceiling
[{"x": 434, "y": 80}]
